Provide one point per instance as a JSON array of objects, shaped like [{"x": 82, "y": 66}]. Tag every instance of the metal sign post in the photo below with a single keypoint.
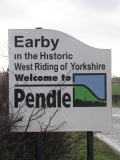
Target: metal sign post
[
  {"x": 38, "y": 148},
  {"x": 90, "y": 155}
]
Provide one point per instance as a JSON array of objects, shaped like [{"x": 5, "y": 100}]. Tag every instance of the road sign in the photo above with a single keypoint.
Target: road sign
[{"x": 54, "y": 74}]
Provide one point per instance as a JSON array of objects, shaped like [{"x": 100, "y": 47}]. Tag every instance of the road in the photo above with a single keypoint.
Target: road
[{"x": 113, "y": 137}]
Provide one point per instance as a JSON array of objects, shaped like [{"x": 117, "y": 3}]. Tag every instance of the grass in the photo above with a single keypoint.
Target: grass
[
  {"x": 101, "y": 150},
  {"x": 115, "y": 89},
  {"x": 116, "y": 104}
]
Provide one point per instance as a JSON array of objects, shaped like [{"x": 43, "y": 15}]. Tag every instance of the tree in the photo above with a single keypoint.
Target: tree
[{"x": 17, "y": 145}]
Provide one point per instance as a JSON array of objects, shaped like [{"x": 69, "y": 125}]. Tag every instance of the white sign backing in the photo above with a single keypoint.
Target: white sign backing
[{"x": 58, "y": 83}]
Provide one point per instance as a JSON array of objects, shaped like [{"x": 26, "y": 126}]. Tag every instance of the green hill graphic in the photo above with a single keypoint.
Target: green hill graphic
[{"x": 83, "y": 96}]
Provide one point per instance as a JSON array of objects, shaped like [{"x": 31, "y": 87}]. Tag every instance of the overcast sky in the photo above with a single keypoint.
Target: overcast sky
[{"x": 94, "y": 22}]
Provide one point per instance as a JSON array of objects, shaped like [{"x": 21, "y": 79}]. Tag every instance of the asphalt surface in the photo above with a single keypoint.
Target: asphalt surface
[{"x": 113, "y": 137}]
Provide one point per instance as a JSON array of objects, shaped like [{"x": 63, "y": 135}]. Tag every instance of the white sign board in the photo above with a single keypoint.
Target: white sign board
[{"x": 51, "y": 71}]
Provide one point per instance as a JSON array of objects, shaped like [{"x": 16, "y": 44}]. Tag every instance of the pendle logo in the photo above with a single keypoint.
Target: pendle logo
[{"x": 88, "y": 90}]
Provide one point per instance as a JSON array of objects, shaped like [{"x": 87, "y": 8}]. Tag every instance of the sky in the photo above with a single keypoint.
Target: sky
[{"x": 94, "y": 22}]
